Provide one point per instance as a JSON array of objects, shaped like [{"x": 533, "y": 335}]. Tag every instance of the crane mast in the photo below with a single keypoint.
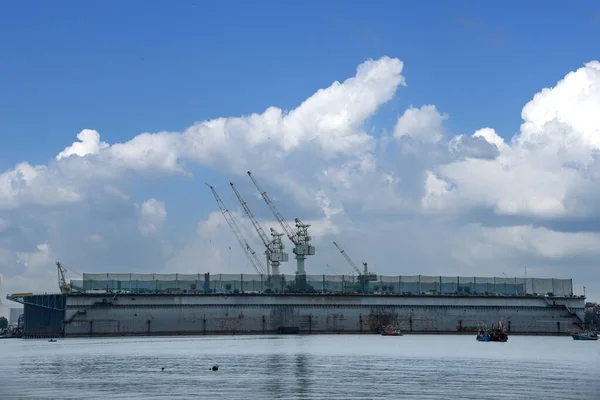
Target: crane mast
[
  {"x": 274, "y": 247},
  {"x": 300, "y": 238},
  {"x": 277, "y": 243},
  {"x": 365, "y": 277},
  {"x": 250, "y": 253}
]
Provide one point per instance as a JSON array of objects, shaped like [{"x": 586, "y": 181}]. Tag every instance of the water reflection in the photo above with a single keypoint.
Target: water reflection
[
  {"x": 274, "y": 383},
  {"x": 302, "y": 374},
  {"x": 286, "y": 367}
]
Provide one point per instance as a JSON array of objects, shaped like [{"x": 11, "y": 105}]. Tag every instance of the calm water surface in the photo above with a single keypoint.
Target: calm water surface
[{"x": 300, "y": 367}]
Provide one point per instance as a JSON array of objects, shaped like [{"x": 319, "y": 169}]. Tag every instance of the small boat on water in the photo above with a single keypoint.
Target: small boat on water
[
  {"x": 496, "y": 334},
  {"x": 52, "y": 340},
  {"x": 585, "y": 335},
  {"x": 391, "y": 332}
]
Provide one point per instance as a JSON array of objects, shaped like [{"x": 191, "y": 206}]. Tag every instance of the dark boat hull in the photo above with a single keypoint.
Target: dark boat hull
[
  {"x": 584, "y": 337},
  {"x": 487, "y": 339},
  {"x": 496, "y": 335}
]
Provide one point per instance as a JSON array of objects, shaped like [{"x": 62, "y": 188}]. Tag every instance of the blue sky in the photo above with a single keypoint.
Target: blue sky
[
  {"x": 128, "y": 67},
  {"x": 125, "y": 68}
]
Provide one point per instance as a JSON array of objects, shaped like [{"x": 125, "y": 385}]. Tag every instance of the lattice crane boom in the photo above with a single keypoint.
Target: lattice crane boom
[
  {"x": 274, "y": 247},
  {"x": 250, "y": 253},
  {"x": 257, "y": 227},
  {"x": 348, "y": 259},
  {"x": 287, "y": 229},
  {"x": 364, "y": 277}
]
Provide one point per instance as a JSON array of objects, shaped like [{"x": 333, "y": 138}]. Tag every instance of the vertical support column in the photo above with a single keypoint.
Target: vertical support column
[
  {"x": 300, "y": 265},
  {"x": 269, "y": 272},
  {"x": 399, "y": 284},
  {"x": 571, "y": 280},
  {"x": 419, "y": 285},
  {"x": 177, "y": 282},
  {"x": 241, "y": 283},
  {"x": 323, "y": 290},
  {"x": 475, "y": 285},
  {"x": 495, "y": 290},
  {"x": 440, "y": 285}
]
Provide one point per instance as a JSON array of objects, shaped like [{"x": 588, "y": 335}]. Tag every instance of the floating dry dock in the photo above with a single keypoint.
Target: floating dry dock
[{"x": 177, "y": 304}]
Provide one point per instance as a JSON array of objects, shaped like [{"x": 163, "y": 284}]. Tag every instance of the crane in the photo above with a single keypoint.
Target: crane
[
  {"x": 250, "y": 253},
  {"x": 300, "y": 238},
  {"x": 363, "y": 277},
  {"x": 274, "y": 247},
  {"x": 65, "y": 288}
]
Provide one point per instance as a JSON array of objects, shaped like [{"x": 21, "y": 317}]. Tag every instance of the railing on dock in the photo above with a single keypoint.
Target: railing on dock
[{"x": 247, "y": 283}]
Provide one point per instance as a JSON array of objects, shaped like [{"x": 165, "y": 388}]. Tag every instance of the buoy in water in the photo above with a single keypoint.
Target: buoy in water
[
  {"x": 215, "y": 367},
  {"x": 163, "y": 368}
]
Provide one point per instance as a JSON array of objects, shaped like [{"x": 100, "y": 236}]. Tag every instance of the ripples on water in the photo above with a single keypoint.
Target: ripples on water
[{"x": 300, "y": 367}]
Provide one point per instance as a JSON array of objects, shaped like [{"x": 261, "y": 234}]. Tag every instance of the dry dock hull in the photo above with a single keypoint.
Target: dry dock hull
[{"x": 191, "y": 314}]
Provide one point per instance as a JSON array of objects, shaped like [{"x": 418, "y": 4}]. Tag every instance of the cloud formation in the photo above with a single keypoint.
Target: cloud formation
[
  {"x": 424, "y": 124},
  {"x": 421, "y": 201},
  {"x": 549, "y": 170},
  {"x": 152, "y": 215}
]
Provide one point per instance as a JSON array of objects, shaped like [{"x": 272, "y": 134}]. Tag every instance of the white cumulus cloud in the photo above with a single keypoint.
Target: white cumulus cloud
[
  {"x": 89, "y": 143},
  {"x": 152, "y": 215},
  {"x": 550, "y": 168},
  {"x": 425, "y": 123},
  {"x": 423, "y": 201}
]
